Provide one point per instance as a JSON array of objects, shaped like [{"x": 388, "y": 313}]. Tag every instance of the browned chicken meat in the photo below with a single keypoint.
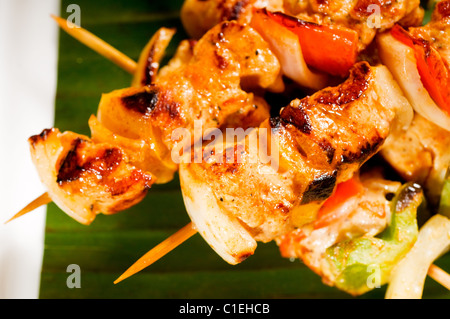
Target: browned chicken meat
[
  {"x": 422, "y": 155},
  {"x": 86, "y": 178},
  {"x": 203, "y": 82}
]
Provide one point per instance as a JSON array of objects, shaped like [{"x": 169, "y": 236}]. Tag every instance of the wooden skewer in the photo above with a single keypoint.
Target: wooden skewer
[
  {"x": 44, "y": 199},
  {"x": 440, "y": 276},
  {"x": 159, "y": 251},
  {"x": 97, "y": 44},
  {"x": 162, "y": 249}
]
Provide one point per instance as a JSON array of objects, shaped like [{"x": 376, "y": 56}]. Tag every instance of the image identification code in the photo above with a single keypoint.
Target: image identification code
[{"x": 228, "y": 308}]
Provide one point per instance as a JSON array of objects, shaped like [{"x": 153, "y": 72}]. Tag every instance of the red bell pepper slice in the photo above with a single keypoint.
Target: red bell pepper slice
[
  {"x": 331, "y": 49},
  {"x": 328, "y": 212},
  {"x": 432, "y": 69}
]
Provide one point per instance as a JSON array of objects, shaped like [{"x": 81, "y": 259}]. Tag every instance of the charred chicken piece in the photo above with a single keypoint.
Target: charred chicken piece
[
  {"x": 236, "y": 197},
  {"x": 86, "y": 178}
]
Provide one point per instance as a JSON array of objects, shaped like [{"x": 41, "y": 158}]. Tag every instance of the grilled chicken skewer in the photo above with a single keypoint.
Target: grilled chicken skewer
[
  {"x": 321, "y": 141},
  {"x": 115, "y": 56}
]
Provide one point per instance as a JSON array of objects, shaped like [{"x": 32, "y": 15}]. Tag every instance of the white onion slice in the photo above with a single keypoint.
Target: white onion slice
[
  {"x": 224, "y": 233},
  {"x": 400, "y": 60},
  {"x": 286, "y": 46},
  {"x": 408, "y": 277}
]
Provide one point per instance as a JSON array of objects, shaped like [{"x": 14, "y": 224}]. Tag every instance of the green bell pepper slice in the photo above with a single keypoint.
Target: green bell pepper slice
[
  {"x": 361, "y": 264},
  {"x": 444, "y": 204}
]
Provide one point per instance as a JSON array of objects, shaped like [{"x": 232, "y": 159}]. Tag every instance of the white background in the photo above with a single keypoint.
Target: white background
[{"x": 28, "y": 66}]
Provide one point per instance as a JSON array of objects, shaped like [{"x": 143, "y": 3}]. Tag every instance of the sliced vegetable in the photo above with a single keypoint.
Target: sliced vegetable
[
  {"x": 286, "y": 47},
  {"x": 224, "y": 233},
  {"x": 331, "y": 49},
  {"x": 433, "y": 71},
  {"x": 151, "y": 56},
  {"x": 408, "y": 278},
  {"x": 444, "y": 205},
  {"x": 400, "y": 60},
  {"x": 329, "y": 212},
  {"x": 353, "y": 265}
]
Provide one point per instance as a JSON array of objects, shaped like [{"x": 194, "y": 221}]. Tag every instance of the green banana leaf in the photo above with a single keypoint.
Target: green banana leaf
[{"x": 105, "y": 249}]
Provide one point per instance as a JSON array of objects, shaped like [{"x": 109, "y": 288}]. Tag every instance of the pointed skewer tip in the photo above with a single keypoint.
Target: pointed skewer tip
[
  {"x": 42, "y": 200},
  {"x": 159, "y": 251}
]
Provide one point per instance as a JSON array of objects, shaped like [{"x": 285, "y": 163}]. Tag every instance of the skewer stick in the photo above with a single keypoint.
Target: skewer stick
[
  {"x": 97, "y": 45},
  {"x": 44, "y": 199},
  {"x": 159, "y": 251},
  {"x": 162, "y": 249},
  {"x": 439, "y": 275}
]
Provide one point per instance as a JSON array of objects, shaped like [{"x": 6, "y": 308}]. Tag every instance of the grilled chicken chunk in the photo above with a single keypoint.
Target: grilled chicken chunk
[
  {"x": 85, "y": 178},
  {"x": 204, "y": 82},
  {"x": 315, "y": 143},
  {"x": 421, "y": 155},
  {"x": 199, "y": 16}
]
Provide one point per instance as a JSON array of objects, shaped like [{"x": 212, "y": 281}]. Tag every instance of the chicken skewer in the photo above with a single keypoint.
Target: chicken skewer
[
  {"x": 436, "y": 132},
  {"x": 103, "y": 49},
  {"x": 92, "y": 41},
  {"x": 158, "y": 107},
  {"x": 206, "y": 191}
]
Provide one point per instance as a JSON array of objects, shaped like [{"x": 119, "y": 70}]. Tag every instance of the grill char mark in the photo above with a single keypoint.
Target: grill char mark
[
  {"x": 154, "y": 102},
  {"x": 142, "y": 102},
  {"x": 350, "y": 90},
  {"x": 320, "y": 188},
  {"x": 72, "y": 167},
  {"x": 298, "y": 117},
  {"x": 363, "y": 153}
]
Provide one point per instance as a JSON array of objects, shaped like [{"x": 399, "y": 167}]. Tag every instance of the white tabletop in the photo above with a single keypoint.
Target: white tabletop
[{"x": 28, "y": 68}]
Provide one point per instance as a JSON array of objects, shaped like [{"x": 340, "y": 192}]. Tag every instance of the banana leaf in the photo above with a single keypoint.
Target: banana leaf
[{"x": 105, "y": 249}]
